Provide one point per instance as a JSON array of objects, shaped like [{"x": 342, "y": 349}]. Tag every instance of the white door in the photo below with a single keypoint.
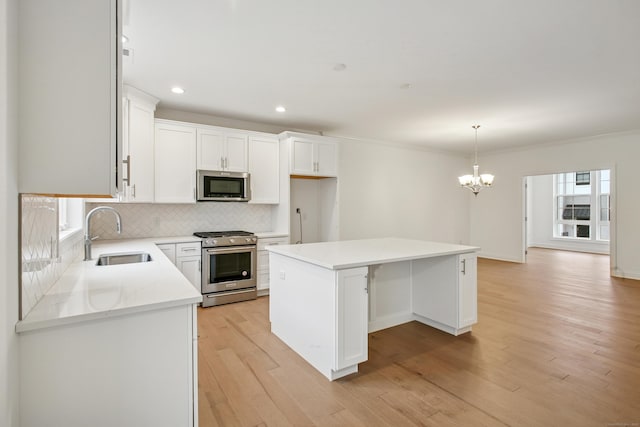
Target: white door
[
  {"x": 236, "y": 152},
  {"x": 210, "y": 149},
  {"x": 175, "y": 164},
  {"x": 352, "y": 325},
  {"x": 326, "y": 156},
  {"x": 302, "y": 162},
  {"x": 264, "y": 169},
  {"x": 191, "y": 268},
  {"x": 467, "y": 290}
]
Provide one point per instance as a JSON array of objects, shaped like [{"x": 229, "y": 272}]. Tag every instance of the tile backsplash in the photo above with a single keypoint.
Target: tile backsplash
[
  {"x": 44, "y": 257},
  {"x": 159, "y": 220}
]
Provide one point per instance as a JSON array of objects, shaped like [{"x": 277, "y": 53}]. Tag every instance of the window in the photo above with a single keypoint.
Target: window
[
  {"x": 575, "y": 198},
  {"x": 70, "y": 213}
]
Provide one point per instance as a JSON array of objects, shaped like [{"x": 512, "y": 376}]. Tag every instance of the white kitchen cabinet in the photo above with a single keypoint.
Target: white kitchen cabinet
[
  {"x": 312, "y": 155},
  {"x": 188, "y": 258},
  {"x": 352, "y": 323},
  {"x": 467, "y": 290},
  {"x": 264, "y": 168},
  {"x": 169, "y": 249},
  {"x": 441, "y": 284},
  {"x": 189, "y": 262},
  {"x": 222, "y": 149},
  {"x": 138, "y": 143},
  {"x": 262, "y": 267},
  {"x": 69, "y": 117},
  {"x": 174, "y": 163},
  {"x": 132, "y": 370}
]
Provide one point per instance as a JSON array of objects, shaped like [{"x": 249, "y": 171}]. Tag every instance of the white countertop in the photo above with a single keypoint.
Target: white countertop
[
  {"x": 359, "y": 253},
  {"x": 86, "y": 291}
]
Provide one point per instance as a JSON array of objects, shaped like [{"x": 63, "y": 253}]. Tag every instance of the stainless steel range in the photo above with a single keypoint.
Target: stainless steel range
[{"x": 228, "y": 267}]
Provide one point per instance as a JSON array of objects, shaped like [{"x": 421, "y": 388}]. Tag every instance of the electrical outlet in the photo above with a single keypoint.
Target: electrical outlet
[{"x": 283, "y": 275}]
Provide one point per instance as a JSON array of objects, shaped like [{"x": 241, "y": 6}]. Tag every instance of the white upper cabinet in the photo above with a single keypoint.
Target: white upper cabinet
[
  {"x": 312, "y": 155},
  {"x": 69, "y": 96},
  {"x": 138, "y": 142},
  {"x": 174, "y": 163},
  {"x": 264, "y": 169},
  {"x": 222, "y": 149}
]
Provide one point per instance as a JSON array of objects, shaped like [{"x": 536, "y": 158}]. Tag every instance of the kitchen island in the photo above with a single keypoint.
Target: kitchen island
[{"x": 326, "y": 297}]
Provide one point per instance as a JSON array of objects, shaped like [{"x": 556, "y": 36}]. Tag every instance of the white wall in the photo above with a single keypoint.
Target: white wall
[
  {"x": 541, "y": 220},
  {"x": 9, "y": 387},
  {"x": 401, "y": 191},
  {"x": 317, "y": 200},
  {"x": 497, "y": 214}
]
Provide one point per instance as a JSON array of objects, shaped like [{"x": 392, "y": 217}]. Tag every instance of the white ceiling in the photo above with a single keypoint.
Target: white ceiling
[{"x": 527, "y": 71}]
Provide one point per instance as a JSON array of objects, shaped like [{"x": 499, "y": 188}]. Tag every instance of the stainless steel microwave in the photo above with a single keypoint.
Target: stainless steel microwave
[{"x": 222, "y": 186}]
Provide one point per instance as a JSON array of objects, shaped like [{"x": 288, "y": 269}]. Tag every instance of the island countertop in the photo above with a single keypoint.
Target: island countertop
[
  {"x": 87, "y": 291},
  {"x": 359, "y": 253}
]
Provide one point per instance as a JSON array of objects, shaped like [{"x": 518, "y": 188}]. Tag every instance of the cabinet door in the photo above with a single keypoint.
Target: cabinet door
[
  {"x": 140, "y": 138},
  {"x": 352, "y": 300},
  {"x": 190, "y": 266},
  {"x": 467, "y": 290},
  {"x": 302, "y": 161},
  {"x": 264, "y": 167},
  {"x": 169, "y": 249},
  {"x": 326, "y": 158},
  {"x": 175, "y": 161},
  {"x": 236, "y": 152},
  {"x": 69, "y": 114},
  {"x": 210, "y": 149}
]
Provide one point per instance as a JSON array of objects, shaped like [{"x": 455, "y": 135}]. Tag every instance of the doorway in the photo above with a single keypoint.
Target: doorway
[{"x": 571, "y": 211}]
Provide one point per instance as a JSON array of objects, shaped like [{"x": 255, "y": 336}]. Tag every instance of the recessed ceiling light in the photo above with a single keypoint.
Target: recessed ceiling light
[
  {"x": 280, "y": 109},
  {"x": 406, "y": 86},
  {"x": 177, "y": 90},
  {"x": 339, "y": 67},
  {"x": 125, "y": 39}
]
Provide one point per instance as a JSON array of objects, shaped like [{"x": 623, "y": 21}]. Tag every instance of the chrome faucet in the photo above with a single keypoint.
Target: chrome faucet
[{"x": 87, "y": 232}]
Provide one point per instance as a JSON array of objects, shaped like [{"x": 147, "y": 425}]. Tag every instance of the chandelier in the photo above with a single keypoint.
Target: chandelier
[{"x": 476, "y": 182}]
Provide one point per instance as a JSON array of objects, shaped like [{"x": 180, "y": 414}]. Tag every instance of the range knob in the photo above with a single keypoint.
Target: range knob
[
  {"x": 232, "y": 240},
  {"x": 248, "y": 240},
  {"x": 214, "y": 242}
]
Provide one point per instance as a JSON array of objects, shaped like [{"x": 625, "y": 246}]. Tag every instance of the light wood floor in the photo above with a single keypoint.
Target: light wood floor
[{"x": 557, "y": 344}]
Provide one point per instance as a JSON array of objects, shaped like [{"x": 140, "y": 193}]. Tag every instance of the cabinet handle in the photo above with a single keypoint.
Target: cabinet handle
[
  {"x": 200, "y": 265},
  {"x": 226, "y": 162},
  {"x": 464, "y": 266},
  {"x": 221, "y": 162},
  {"x": 188, "y": 249},
  {"x": 128, "y": 163},
  {"x": 133, "y": 191}
]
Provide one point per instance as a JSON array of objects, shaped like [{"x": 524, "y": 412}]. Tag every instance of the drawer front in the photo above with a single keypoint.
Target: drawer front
[
  {"x": 188, "y": 249},
  {"x": 263, "y": 243}
]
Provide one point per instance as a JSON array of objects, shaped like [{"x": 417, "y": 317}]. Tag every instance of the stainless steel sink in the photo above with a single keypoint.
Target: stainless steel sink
[{"x": 123, "y": 258}]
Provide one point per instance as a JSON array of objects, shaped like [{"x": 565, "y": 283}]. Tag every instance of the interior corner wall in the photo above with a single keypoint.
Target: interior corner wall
[
  {"x": 392, "y": 191},
  {"x": 496, "y": 215},
  {"x": 9, "y": 348}
]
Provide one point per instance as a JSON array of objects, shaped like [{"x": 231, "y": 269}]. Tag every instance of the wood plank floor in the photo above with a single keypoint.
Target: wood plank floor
[{"x": 557, "y": 344}]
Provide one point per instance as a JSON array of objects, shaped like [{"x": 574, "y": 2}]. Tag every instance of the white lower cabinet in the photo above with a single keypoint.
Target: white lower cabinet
[
  {"x": 187, "y": 257},
  {"x": 132, "y": 370},
  {"x": 467, "y": 290},
  {"x": 352, "y": 317},
  {"x": 189, "y": 262},
  {"x": 444, "y": 292},
  {"x": 262, "y": 268}
]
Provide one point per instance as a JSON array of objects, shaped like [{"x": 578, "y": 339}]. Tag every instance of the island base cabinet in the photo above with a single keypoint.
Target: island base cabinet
[
  {"x": 444, "y": 292},
  {"x": 320, "y": 313},
  {"x": 352, "y": 317},
  {"x": 132, "y": 370}
]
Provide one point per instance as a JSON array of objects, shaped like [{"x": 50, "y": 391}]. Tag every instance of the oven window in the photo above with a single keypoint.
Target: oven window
[
  {"x": 223, "y": 187},
  {"x": 229, "y": 267}
]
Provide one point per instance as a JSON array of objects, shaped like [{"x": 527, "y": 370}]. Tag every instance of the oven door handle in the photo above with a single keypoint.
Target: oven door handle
[{"x": 230, "y": 249}]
